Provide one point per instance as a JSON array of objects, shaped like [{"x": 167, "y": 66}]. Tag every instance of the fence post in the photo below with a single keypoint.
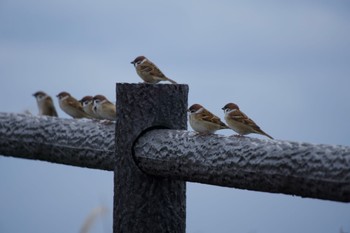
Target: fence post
[{"x": 144, "y": 203}]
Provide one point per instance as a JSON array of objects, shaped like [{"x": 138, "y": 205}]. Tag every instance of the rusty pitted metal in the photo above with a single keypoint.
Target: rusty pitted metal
[
  {"x": 77, "y": 142},
  {"x": 142, "y": 202},
  {"x": 303, "y": 169}
]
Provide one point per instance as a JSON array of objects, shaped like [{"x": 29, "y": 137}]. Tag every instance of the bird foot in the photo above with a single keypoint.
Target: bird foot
[{"x": 106, "y": 122}]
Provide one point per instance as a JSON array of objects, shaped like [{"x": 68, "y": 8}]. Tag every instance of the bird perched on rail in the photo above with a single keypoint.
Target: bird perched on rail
[
  {"x": 88, "y": 102},
  {"x": 71, "y": 106},
  {"x": 148, "y": 71},
  {"x": 104, "y": 108},
  {"x": 203, "y": 121},
  {"x": 45, "y": 104},
  {"x": 240, "y": 122}
]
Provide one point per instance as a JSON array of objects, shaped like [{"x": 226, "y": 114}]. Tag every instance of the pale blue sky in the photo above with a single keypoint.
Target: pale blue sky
[{"x": 285, "y": 63}]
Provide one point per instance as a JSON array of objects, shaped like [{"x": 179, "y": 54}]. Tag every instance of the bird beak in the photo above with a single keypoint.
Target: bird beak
[
  {"x": 223, "y": 108},
  {"x": 132, "y": 62}
]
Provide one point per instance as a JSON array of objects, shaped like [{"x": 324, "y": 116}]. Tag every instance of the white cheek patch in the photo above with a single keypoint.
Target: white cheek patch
[
  {"x": 228, "y": 111},
  {"x": 65, "y": 97},
  {"x": 143, "y": 61},
  {"x": 200, "y": 110},
  {"x": 96, "y": 102},
  {"x": 41, "y": 97}
]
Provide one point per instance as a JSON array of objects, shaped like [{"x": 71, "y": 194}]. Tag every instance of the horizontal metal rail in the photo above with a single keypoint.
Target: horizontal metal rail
[
  {"x": 303, "y": 169},
  {"x": 82, "y": 143}
]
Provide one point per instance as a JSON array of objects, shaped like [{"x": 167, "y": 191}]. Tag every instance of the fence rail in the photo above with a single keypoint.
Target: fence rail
[
  {"x": 82, "y": 143},
  {"x": 304, "y": 169},
  {"x": 152, "y": 155}
]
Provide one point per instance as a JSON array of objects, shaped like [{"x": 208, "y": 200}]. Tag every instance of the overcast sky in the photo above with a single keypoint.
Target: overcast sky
[{"x": 285, "y": 63}]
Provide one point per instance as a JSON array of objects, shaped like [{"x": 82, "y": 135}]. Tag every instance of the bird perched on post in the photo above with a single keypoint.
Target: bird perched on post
[
  {"x": 104, "y": 108},
  {"x": 45, "y": 104},
  {"x": 240, "y": 122},
  {"x": 148, "y": 71},
  {"x": 203, "y": 121},
  {"x": 88, "y": 102},
  {"x": 71, "y": 106}
]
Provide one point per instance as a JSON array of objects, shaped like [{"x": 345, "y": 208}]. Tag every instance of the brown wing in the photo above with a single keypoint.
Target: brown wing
[
  {"x": 244, "y": 119},
  {"x": 145, "y": 68},
  {"x": 148, "y": 68},
  {"x": 75, "y": 103},
  {"x": 208, "y": 116},
  {"x": 152, "y": 69},
  {"x": 110, "y": 108},
  {"x": 51, "y": 108}
]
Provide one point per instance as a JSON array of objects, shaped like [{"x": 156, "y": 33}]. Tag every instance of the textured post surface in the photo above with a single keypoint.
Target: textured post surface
[
  {"x": 144, "y": 203},
  {"x": 307, "y": 170},
  {"x": 83, "y": 143},
  {"x": 304, "y": 169}
]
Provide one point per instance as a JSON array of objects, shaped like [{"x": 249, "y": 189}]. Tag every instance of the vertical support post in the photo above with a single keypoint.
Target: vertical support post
[{"x": 144, "y": 203}]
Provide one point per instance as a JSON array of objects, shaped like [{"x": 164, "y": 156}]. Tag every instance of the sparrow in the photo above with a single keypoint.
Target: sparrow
[
  {"x": 45, "y": 104},
  {"x": 203, "y": 121},
  {"x": 148, "y": 71},
  {"x": 71, "y": 106},
  {"x": 104, "y": 108},
  {"x": 87, "y": 102},
  {"x": 240, "y": 122}
]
